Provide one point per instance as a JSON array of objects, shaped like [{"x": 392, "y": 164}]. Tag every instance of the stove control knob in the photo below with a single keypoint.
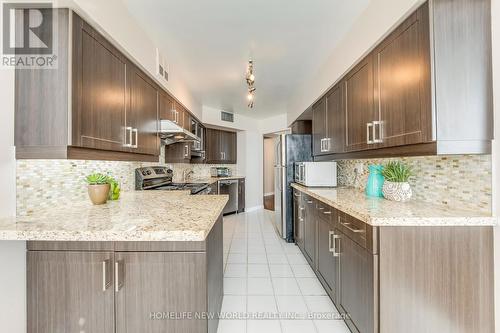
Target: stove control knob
[
  {"x": 148, "y": 172},
  {"x": 144, "y": 173}
]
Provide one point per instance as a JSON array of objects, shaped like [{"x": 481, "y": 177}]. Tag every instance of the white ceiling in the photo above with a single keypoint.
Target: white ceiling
[{"x": 210, "y": 41}]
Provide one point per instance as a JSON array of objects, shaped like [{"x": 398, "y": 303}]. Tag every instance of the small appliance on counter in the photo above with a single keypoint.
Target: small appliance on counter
[
  {"x": 220, "y": 172},
  {"x": 319, "y": 174},
  {"x": 160, "y": 178}
]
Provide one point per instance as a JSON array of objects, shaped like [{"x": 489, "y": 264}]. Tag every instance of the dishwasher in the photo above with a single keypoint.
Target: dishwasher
[{"x": 230, "y": 187}]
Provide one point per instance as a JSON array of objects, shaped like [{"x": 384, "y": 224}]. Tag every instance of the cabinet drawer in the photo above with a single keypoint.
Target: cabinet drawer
[
  {"x": 324, "y": 211},
  {"x": 363, "y": 234}
]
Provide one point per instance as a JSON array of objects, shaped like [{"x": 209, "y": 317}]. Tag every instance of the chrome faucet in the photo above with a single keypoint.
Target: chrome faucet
[{"x": 186, "y": 174}]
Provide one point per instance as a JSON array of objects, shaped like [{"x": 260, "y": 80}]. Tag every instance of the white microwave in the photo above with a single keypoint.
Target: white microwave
[{"x": 320, "y": 174}]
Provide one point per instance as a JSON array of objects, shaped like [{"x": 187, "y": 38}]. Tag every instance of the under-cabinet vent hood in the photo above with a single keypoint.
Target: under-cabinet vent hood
[{"x": 170, "y": 132}]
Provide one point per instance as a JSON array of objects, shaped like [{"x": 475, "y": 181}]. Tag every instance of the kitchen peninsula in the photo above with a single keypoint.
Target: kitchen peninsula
[{"x": 131, "y": 265}]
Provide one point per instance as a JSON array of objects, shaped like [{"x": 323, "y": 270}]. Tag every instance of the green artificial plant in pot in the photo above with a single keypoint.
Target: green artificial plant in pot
[
  {"x": 98, "y": 188},
  {"x": 396, "y": 186},
  {"x": 114, "y": 191}
]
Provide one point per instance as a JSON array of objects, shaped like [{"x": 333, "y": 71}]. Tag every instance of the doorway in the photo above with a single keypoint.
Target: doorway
[{"x": 269, "y": 159}]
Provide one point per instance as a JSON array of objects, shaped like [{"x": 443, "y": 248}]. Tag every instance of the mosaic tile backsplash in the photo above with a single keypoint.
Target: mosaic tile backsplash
[
  {"x": 459, "y": 180},
  {"x": 44, "y": 183}
]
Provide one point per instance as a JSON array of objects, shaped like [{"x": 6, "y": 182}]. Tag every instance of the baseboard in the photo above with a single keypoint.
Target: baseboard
[
  {"x": 268, "y": 194},
  {"x": 254, "y": 208}
]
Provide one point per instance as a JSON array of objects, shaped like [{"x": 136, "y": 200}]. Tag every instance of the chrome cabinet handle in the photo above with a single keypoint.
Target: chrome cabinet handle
[
  {"x": 309, "y": 201},
  {"x": 327, "y": 212},
  {"x": 335, "y": 253},
  {"x": 380, "y": 139},
  {"x": 297, "y": 195},
  {"x": 301, "y": 208},
  {"x": 186, "y": 151},
  {"x": 331, "y": 243},
  {"x": 106, "y": 280},
  {"x": 368, "y": 126},
  {"x": 128, "y": 133},
  {"x": 119, "y": 272},
  {"x": 348, "y": 226},
  {"x": 134, "y": 130}
]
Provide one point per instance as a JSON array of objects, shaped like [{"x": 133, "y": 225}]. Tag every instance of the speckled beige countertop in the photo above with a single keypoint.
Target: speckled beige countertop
[
  {"x": 382, "y": 212},
  {"x": 136, "y": 216},
  {"x": 211, "y": 180}
]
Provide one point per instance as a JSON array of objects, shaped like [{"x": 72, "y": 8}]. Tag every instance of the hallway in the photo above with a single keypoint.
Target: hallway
[{"x": 268, "y": 285}]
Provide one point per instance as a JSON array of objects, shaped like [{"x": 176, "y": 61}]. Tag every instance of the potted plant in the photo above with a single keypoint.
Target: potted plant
[
  {"x": 396, "y": 186},
  {"x": 98, "y": 188}
]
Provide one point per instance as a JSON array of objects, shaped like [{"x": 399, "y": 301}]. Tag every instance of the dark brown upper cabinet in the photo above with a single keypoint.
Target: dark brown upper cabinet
[
  {"x": 166, "y": 107},
  {"x": 179, "y": 152},
  {"x": 95, "y": 105},
  {"x": 319, "y": 126},
  {"x": 413, "y": 95},
  {"x": 328, "y": 123},
  {"x": 359, "y": 107},
  {"x": 402, "y": 84},
  {"x": 142, "y": 115},
  {"x": 220, "y": 146}
]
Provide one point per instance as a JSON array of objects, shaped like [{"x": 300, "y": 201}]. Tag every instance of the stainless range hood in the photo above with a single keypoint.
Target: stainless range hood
[{"x": 170, "y": 133}]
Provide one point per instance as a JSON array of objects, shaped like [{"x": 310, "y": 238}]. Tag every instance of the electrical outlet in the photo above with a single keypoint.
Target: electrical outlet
[{"x": 359, "y": 168}]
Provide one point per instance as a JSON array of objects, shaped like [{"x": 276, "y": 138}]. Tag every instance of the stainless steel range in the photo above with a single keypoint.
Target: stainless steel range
[{"x": 160, "y": 178}]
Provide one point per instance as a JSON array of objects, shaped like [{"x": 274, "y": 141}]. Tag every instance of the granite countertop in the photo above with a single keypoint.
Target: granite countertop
[
  {"x": 382, "y": 212},
  {"x": 136, "y": 216},
  {"x": 211, "y": 180}
]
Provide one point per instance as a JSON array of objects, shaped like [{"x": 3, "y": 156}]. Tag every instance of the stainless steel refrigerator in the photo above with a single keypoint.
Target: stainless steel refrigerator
[{"x": 289, "y": 148}]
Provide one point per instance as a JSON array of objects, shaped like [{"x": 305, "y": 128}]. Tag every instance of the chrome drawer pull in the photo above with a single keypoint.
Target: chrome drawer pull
[
  {"x": 327, "y": 213},
  {"x": 347, "y": 225},
  {"x": 331, "y": 243},
  {"x": 335, "y": 253}
]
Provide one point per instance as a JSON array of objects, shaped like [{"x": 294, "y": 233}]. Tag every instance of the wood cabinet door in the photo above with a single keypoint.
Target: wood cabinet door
[
  {"x": 142, "y": 115},
  {"x": 148, "y": 289},
  {"x": 70, "y": 292},
  {"x": 166, "y": 108},
  {"x": 310, "y": 231},
  {"x": 213, "y": 151},
  {"x": 335, "y": 124},
  {"x": 357, "y": 285},
  {"x": 230, "y": 147},
  {"x": 403, "y": 83},
  {"x": 359, "y": 106},
  {"x": 179, "y": 152},
  {"x": 326, "y": 261},
  {"x": 99, "y": 91},
  {"x": 319, "y": 126},
  {"x": 187, "y": 121},
  {"x": 298, "y": 220}
]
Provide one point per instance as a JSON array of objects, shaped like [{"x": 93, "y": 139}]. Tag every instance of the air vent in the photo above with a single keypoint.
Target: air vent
[
  {"x": 161, "y": 66},
  {"x": 227, "y": 116}
]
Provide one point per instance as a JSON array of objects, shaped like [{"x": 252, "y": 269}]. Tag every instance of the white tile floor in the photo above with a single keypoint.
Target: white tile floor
[{"x": 265, "y": 277}]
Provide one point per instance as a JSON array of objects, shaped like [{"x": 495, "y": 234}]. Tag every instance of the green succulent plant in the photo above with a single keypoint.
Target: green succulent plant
[
  {"x": 397, "y": 172},
  {"x": 97, "y": 178}
]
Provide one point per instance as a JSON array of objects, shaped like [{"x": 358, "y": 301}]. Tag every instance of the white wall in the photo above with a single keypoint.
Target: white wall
[
  {"x": 373, "y": 23},
  {"x": 250, "y": 147}
]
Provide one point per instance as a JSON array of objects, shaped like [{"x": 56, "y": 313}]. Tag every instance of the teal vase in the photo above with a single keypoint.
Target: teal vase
[{"x": 375, "y": 181}]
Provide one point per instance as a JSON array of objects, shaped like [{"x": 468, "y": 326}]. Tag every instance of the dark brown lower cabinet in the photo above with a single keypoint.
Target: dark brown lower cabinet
[
  {"x": 129, "y": 289},
  {"x": 328, "y": 258},
  {"x": 298, "y": 219},
  {"x": 70, "y": 292},
  {"x": 358, "y": 288},
  {"x": 310, "y": 230}
]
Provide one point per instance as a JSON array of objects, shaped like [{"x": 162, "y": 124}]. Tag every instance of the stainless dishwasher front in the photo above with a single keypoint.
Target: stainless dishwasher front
[{"x": 229, "y": 187}]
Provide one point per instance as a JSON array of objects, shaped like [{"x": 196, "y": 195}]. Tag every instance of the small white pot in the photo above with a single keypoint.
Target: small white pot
[{"x": 397, "y": 191}]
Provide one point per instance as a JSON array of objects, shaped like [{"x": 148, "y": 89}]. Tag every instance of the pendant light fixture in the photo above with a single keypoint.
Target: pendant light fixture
[{"x": 250, "y": 78}]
